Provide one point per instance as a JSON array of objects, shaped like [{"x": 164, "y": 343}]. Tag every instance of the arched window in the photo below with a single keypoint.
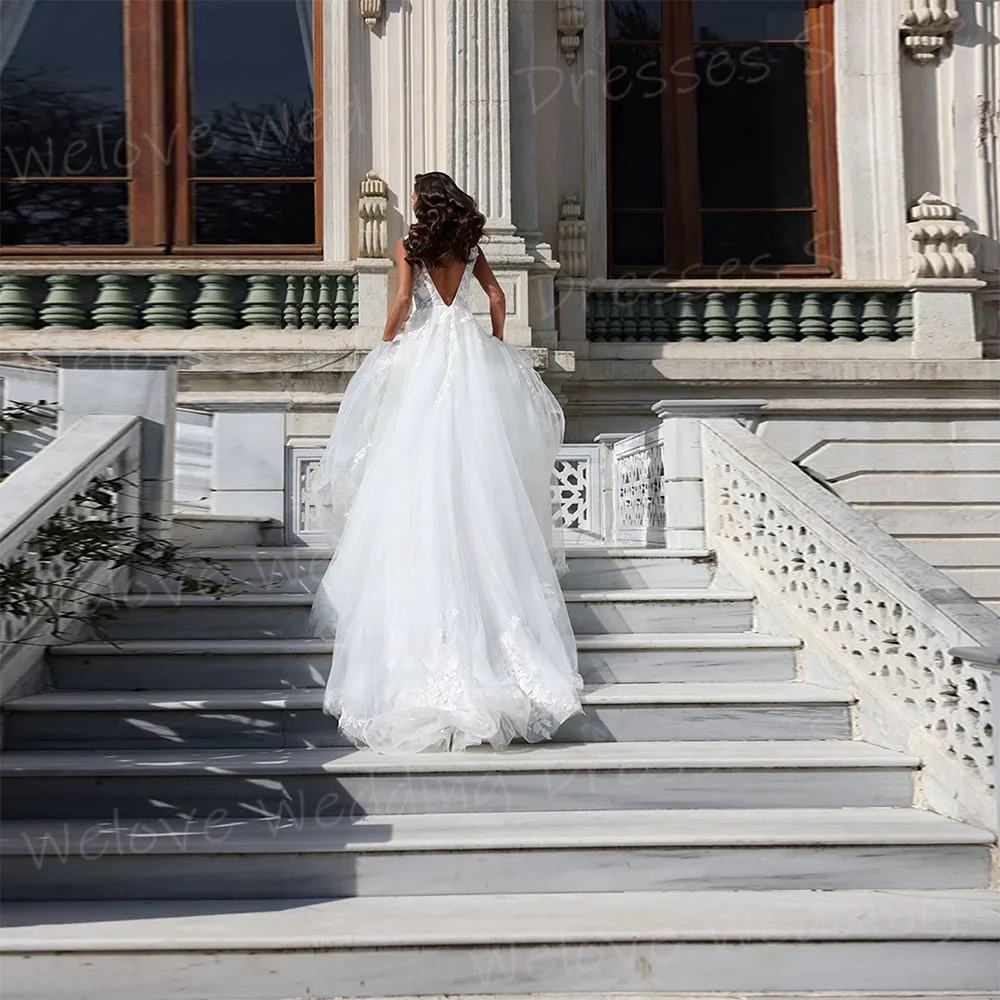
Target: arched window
[
  {"x": 150, "y": 127},
  {"x": 721, "y": 154}
]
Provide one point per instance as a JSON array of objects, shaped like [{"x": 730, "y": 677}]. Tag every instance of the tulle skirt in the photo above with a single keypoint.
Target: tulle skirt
[{"x": 443, "y": 599}]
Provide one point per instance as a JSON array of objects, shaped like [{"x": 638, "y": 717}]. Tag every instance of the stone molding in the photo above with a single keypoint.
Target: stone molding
[
  {"x": 938, "y": 240},
  {"x": 373, "y": 210},
  {"x": 572, "y": 239}
]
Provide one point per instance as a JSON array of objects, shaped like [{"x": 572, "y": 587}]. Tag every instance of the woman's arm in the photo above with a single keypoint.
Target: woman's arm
[
  {"x": 400, "y": 307},
  {"x": 498, "y": 301}
]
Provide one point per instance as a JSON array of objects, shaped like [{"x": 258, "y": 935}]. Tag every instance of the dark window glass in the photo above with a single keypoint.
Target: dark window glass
[
  {"x": 635, "y": 129},
  {"x": 637, "y": 240},
  {"x": 252, "y": 89},
  {"x": 633, "y": 20},
  {"x": 753, "y": 138},
  {"x": 747, "y": 20},
  {"x": 39, "y": 213},
  {"x": 761, "y": 238},
  {"x": 254, "y": 213}
]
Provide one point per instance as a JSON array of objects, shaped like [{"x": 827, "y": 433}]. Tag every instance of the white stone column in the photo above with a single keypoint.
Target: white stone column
[
  {"x": 683, "y": 468},
  {"x": 338, "y": 198},
  {"x": 133, "y": 383}
]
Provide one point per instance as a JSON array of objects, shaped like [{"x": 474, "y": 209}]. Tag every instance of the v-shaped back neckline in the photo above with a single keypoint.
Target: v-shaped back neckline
[{"x": 458, "y": 287}]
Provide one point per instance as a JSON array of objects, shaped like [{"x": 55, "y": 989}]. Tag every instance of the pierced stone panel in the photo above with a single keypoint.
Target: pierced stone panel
[{"x": 639, "y": 488}]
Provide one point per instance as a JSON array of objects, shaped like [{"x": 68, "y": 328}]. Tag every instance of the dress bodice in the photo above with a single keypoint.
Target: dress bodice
[{"x": 426, "y": 295}]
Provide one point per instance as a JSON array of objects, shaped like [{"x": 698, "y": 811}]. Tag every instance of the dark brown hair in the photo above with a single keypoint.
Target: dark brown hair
[{"x": 448, "y": 223}]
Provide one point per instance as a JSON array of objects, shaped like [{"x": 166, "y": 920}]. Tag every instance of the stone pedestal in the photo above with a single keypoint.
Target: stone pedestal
[
  {"x": 133, "y": 383},
  {"x": 944, "y": 319},
  {"x": 683, "y": 470}
]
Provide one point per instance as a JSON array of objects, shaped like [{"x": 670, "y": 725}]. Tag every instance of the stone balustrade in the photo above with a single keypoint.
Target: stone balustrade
[
  {"x": 750, "y": 316},
  {"x": 123, "y": 299}
]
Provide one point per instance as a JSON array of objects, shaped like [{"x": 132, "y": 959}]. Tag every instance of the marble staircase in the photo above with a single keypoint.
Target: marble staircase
[{"x": 181, "y": 821}]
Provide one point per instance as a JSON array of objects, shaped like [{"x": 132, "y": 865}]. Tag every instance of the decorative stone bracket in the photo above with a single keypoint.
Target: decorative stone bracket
[
  {"x": 371, "y": 12},
  {"x": 373, "y": 209},
  {"x": 571, "y": 17},
  {"x": 926, "y": 27},
  {"x": 572, "y": 239},
  {"x": 938, "y": 247}
]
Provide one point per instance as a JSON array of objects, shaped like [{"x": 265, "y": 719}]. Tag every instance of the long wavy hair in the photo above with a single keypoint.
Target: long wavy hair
[{"x": 448, "y": 223}]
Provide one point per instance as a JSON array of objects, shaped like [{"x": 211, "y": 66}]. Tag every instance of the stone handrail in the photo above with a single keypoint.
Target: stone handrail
[
  {"x": 875, "y": 617},
  {"x": 110, "y": 297},
  {"x": 95, "y": 447}
]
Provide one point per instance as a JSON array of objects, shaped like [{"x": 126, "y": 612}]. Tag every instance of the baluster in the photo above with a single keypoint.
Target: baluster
[
  {"x": 341, "y": 303},
  {"x": 661, "y": 321},
  {"x": 645, "y": 323},
  {"x": 262, "y": 305},
  {"x": 812, "y": 318},
  {"x": 614, "y": 317},
  {"x": 875, "y": 324},
  {"x": 63, "y": 305},
  {"x": 843, "y": 319},
  {"x": 307, "y": 310},
  {"x": 324, "y": 308},
  {"x": 164, "y": 308},
  {"x": 599, "y": 305},
  {"x": 17, "y": 312},
  {"x": 291, "y": 318},
  {"x": 686, "y": 317},
  {"x": 355, "y": 295},
  {"x": 115, "y": 308},
  {"x": 718, "y": 325},
  {"x": 750, "y": 327},
  {"x": 904, "y": 317},
  {"x": 214, "y": 306},
  {"x": 780, "y": 318},
  {"x": 630, "y": 326}
]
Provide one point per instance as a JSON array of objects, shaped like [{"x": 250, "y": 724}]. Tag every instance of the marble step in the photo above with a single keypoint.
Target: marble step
[
  {"x": 198, "y": 529},
  {"x": 325, "y": 783},
  {"x": 303, "y": 663},
  {"x": 492, "y": 852},
  {"x": 261, "y": 616},
  {"x": 298, "y": 570},
  {"x": 203, "y": 718},
  {"x": 784, "y": 941}
]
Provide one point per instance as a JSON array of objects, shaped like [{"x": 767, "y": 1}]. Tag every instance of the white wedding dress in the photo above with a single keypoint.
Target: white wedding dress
[{"x": 449, "y": 624}]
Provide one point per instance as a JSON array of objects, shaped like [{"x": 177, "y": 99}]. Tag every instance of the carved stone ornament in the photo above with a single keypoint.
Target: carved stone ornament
[
  {"x": 373, "y": 209},
  {"x": 938, "y": 247},
  {"x": 371, "y": 12},
  {"x": 926, "y": 27},
  {"x": 572, "y": 239},
  {"x": 570, "y": 16}
]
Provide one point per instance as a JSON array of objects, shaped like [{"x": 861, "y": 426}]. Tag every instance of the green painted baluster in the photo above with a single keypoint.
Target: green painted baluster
[
  {"x": 630, "y": 325},
  {"x": 291, "y": 318},
  {"x": 63, "y": 306},
  {"x": 342, "y": 302},
  {"x": 164, "y": 306},
  {"x": 686, "y": 319},
  {"x": 660, "y": 319},
  {"x": 214, "y": 307},
  {"x": 324, "y": 310},
  {"x": 307, "y": 308},
  {"x": 718, "y": 325},
  {"x": 843, "y": 319},
  {"x": 750, "y": 327},
  {"x": 781, "y": 323},
  {"x": 812, "y": 318},
  {"x": 590, "y": 310},
  {"x": 614, "y": 317},
  {"x": 598, "y": 304},
  {"x": 17, "y": 311},
  {"x": 875, "y": 323},
  {"x": 262, "y": 305},
  {"x": 904, "y": 317},
  {"x": 355, "y": 300},
  {"x": 645, "y": 323},
  {"x": 115, "y": 308}
]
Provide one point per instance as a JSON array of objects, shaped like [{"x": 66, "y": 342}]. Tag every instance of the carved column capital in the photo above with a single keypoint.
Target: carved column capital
[{"x": 926, "y": 27}]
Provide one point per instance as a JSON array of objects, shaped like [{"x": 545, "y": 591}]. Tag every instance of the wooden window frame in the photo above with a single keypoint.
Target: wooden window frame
[
  {"x": 681, "y": 213},
  {"x": 157, "y": 105}
]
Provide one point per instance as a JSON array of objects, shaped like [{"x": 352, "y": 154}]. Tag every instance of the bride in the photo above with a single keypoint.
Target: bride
[{"x": 449, "y": 624}]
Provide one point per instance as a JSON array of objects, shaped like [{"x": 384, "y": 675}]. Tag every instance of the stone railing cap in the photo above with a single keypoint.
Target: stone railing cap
[
  {"x": 120, "y": 360},
  {"x": 707, "y": 407},
  {"x": 985, "y": 657}
]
